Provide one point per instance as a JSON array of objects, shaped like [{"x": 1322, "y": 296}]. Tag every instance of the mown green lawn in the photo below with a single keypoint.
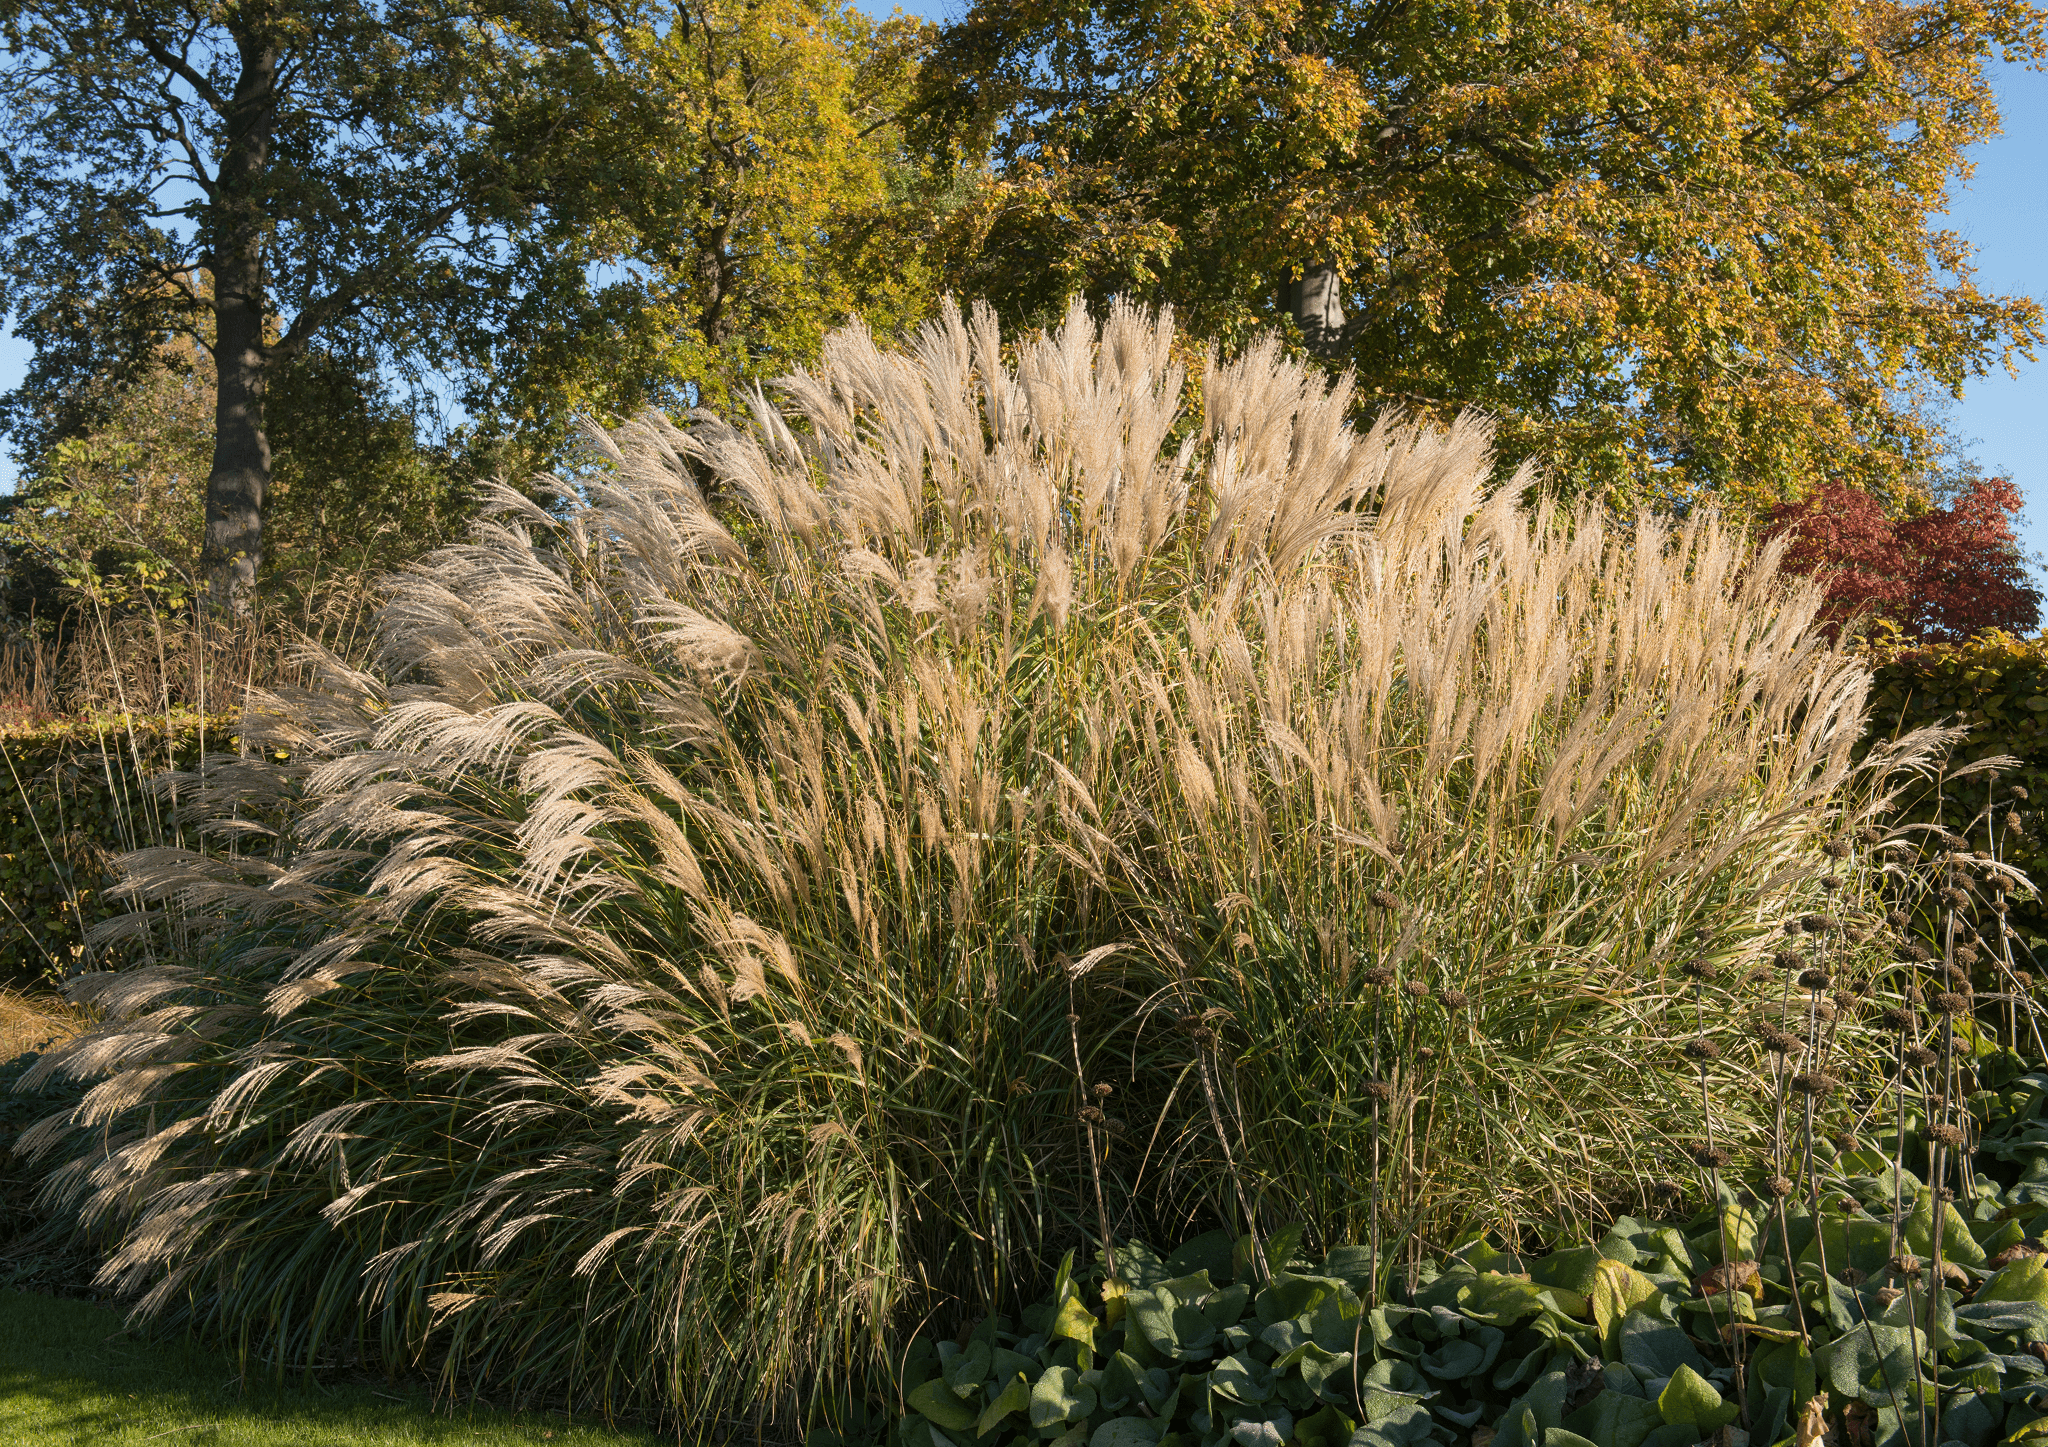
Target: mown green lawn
[{"x": 70, "y": 1374}]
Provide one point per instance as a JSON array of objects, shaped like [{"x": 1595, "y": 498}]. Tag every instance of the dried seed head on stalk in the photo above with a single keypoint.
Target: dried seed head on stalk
[
  {"x": 1815, "y": 979},
  {"x": 1920, "y": 1057},
  {"x": 1377, "y": 1090},
  {"x": 1780, "y": 1186},
  {"x": 1814, "y": 1082},
  {"x": 1666, "y": 1189},
  {"x": 2013, "y": 822},
  {"x": 1949, "y": 1002},
  {"x": 1830, "y": 883},
  {"x": 1897, "y": 1018},
  {"x": 1918, "y": 953},
  {"x": 1897, "y": 918},
  {"x": 1102, "y": 1089},
  {"x": 1818, "y": 924},
  {"x": 1710, "y": 1157},
  {"x": 2019, "y": 792},
  {"x": 1945, "y": 1135},
  {"x": 1844, "y": 1140},
  {"x": 1703, "y": 970},
  {"x": 1092, "y": 1115},
  {"x": 1702, "y": 1050},
  {"x": 1415, "y": 989},
  {"x": 1836, "y": 848},
  {"x": 1886, "y": 1295},
  {"x": 1377, "y": 977},
  {"x": 1952, "y": 840},
  {"x": 1954, "y": 897},
  {"x": 1425, "y": 1055},
  {"x": 1384, "y": 899},
  {"x": 1906, "y": 1265},
  {"x": 1776, "y": 1039},
  {"x": 1966, "y": 955},
  {"x": 1788, "y": 960},
  {"x": 1870, "y": 834},
  {"x": 1453, "y": 999}
]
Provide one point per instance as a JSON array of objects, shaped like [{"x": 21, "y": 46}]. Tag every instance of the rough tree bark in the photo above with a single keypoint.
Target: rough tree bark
[{"x": 240, "y": 476}]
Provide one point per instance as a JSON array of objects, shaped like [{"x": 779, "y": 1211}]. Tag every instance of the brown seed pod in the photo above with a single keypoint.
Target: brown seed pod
[
  {"x": 1822, "y": 1009},
  {"x": 1378, "y": 977},
  {"x": 1897, "y": 1018},
  {"x": 1780, "y": 1186},
  {"x": 2024, "y": 979},
  {"x": 1836, "y": 849},
  {"x": 1666, "y": 1189},
  {"x": 1092, "y": 1115},
  {"x": 1702, "y": 1050},
  {"x": 1966, "y": 956},
  {"x": 1818, "y": 924},
  {"x": 1904, "y": 1265},
  {"x": 1850, "y": 1276},
  {"x": 1845, "y": 1140},
  {"x": 1814, "y": 1082},
  {"x": 1788, "y": 960},
  {"x": 1920, "y": 1057},
  {"x": 1897, "y": 919},
  {"x": 1954, "y": 898},
  {"x": 1945, "y": 1135},
  {"x": 2019, "y": 792},
  {"x": 1791, "y": 926},
  {"x": 1949, "y": 1002},
  {"x": 1918, "y": 953},
  {"x": 1870, "y": 834},
  {"x": 1952, "y": 840},
  {"x": 1415, "y": 989},
  {"x": 1917, "y": 995},
  {"x": 1425, "y": 1055},
  {"x": 1453, "y": 999},
  {"x": 1384, "y": 899},
  {"x": 2012, "y": 820},
  {"x": 1815, "y": 979},
  {"x": 1886, "y": 1295},
  {"x": 1103, "y": 1089},
  {"x": 1776, "y": 1040},
  {"x": 1703, "y": 970},
  {"x": 1376, "y": 1090},
  {"x": 1711, "y": 1157}
]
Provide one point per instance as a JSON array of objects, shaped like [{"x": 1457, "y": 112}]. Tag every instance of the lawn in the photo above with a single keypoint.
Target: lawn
[{"x": 69, "y": 1373}]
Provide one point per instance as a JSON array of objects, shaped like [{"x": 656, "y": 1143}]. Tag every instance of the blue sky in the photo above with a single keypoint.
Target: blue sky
[{"x": 2002, "y": 210}]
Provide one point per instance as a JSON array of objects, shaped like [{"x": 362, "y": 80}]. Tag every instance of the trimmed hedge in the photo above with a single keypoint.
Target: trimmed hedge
[
  {"x": 1998, "y": 686},
  {"x": 73, "y": 793}
]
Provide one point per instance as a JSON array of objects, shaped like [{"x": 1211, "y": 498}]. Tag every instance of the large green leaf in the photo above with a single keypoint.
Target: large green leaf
[
  {"x": 2023, "y": 1280},
  {"x": 1243, "y": 1379},
  {"x": 1875, "y": 1362},
  {"x": 1060, "y": 1396},
  {"x": 965, "y": 1371},
  {"x": 1125, "y": 1432},
  {"x": 1957, "y": 1244},
  {"x": 1016, "y": 1397},
  {"x": 935, "y": 1401},
  {"x": 1690, "y": 1398},
  {"x": 1616, "y": 1291},
  {"x": 1615, "y": 1420},
  {"x": 1654, "y": 1348}
]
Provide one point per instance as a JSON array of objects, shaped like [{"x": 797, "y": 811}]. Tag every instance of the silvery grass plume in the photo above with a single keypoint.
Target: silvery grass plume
[{"x": 650, "y": 977}]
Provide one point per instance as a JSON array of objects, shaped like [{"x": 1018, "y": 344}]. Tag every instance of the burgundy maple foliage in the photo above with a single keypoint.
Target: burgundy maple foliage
[{"x": 1942, "y": 576}]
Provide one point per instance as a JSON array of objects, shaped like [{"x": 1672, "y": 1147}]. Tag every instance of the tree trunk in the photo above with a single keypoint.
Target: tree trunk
[
  {"x": 240, "y": 475},
  {"x": 1317, "y": 304}
]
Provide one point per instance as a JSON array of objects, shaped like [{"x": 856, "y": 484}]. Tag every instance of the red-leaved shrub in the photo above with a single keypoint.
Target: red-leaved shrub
[{"x": 1943, "y": 576}]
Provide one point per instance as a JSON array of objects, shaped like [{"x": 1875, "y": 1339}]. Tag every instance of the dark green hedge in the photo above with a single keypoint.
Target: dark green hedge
[
  {"x": 72, "y": 794},
  {"x": 1998, "y": 686}
]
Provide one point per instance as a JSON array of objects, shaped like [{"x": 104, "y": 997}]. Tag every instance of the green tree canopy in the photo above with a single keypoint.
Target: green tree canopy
[
  {"x": 1686, "y": 249},
  {"x": 566, "y": 205}
]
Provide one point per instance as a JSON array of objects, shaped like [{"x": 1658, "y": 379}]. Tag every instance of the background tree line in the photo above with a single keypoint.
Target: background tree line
[{"x": 297, "y": 272}]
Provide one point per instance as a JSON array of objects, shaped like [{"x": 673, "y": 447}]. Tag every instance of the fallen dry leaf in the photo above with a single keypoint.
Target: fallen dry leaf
[
  {"x": 1812, "y": 1428},
  {"x": 1730, "y": 1276}
]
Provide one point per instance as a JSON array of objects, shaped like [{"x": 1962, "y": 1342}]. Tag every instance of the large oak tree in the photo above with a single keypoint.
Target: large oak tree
[
  {"x": 563, "y": 204},
  {"x": 1687, "y": 249}
]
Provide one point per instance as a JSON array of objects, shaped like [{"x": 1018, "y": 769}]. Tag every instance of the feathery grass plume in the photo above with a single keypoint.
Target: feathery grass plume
[{"x": 645, "y": 977}]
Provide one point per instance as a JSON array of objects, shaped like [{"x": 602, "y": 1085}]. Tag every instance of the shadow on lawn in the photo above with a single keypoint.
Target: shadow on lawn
[{"x": 69, "y": 1373}]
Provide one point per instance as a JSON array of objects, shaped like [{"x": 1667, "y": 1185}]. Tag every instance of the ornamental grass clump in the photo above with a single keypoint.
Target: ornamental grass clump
[{"x": 693, "y": 952}]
